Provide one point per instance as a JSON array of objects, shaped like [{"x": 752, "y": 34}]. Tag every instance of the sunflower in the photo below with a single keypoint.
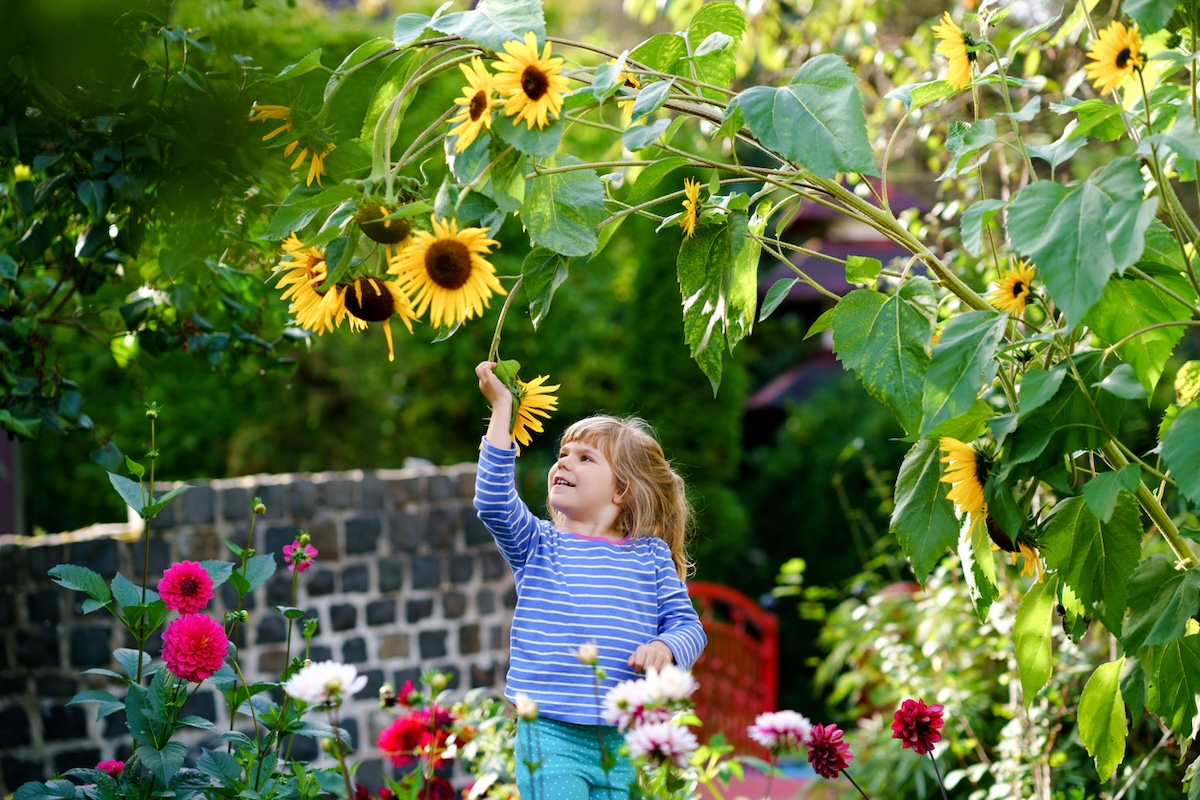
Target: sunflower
[
  {"x": 445, "y": 271},
  {"x": 370, "y": 299},
  {"x": 628, "y": 81},
  {"x": 966, "y": 471},
  {"x": 304, "y": 271},
  {"x": 1114, "y": 55},
  {"x": 317, "y": 168},
  {"x": 1012, "y": 291},
  {"x": 691, "y": 207},
  {"x": 532, "y": 85},
  {"x": 376, "y": 221},
  {"x": 263, "y": 113},
  {"x": 534, "y": 399},
  {"x": 476, "y": 102},
  {"x": 954, "y": 44}
]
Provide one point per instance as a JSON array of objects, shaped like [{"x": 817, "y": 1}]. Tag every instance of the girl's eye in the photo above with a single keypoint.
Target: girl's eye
[{"x": 585, "y": 458}]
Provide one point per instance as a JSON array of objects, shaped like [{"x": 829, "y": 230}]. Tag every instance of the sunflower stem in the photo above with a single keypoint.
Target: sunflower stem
[{"x": 494, "y": 350}]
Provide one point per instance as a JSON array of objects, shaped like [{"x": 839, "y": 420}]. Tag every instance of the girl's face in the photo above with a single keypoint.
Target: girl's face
[{"x": 581, "y": 483}]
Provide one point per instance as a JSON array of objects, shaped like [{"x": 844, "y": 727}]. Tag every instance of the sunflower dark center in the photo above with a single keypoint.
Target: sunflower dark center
[
  {"x": 448, "y": 263},
  {"x": 478, "y": 105},
  {"x": 1018, "y": 288},
  {"x": 968, "y": 43},
  {"x": 189, "y": 586},
  {"x": 315, "y": 276},
  {"x": 1124, "y": 57},
  {"x": 376, "y": 303},
  {"x": 981, "y": 468},
  {"x": 534, "y": 83}
]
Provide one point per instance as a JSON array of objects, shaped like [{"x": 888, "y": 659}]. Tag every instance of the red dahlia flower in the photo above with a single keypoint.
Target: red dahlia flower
[
  {"x": 917, "y": 725},
  {"x": 194, "y": 647},
  {"x": 827, "y": 753},
  {"x": 186, "y": 587}
]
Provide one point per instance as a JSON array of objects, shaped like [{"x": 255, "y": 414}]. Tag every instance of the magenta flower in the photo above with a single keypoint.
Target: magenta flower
[
  {"x": 827, "y": 753},
  {"x": 194, "y": 647},
  {"x": 186, "y": 587},
  {"x": 299, "y": 556},
  {"x": 917, "y": 725},
  {"x": 113, "y": 768}
]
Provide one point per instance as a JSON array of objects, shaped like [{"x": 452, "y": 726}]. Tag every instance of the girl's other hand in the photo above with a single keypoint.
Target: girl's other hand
[{"x": 492, "y": 387}]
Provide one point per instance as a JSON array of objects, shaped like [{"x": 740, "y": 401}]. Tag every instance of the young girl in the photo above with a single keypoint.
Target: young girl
[{"x": 604, "y": 576}]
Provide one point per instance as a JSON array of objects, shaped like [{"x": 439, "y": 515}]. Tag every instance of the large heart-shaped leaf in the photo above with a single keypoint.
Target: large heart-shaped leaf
[
  {"x": 563, "y": 210},
  {"x": 493, "y": 23},
  {"x": 1102, "y": 726},
  {"x": 816, "y": 120},
  {"x": 963, "y": 362},
  {"x": 922, "y": 518}
]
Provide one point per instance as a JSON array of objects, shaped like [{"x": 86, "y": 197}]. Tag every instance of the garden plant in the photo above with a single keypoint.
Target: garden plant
[{"x": 1053, "y": 295}]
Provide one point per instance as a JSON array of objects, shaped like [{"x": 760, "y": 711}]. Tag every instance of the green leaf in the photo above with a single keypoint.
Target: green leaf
[
  {"x": 776, "y": 295},
  {"x": 979, "y": 569},
  {"x": 1173, "y": 672},
  {"x": 964, "y": 141},
  {"x": 325, "y": 198},
  {"x": 163, "y": 763},
  {"x": 1129, "y": 307},
  {"x": 712, "y": 33},
  {"x": 967, "y": 426},
  {"x": 564, "y": 209},
  {"x": 135, "y": 469},
  {"x": 1161, "y": 601},
  {"x": 221, "y": 767},
  {"x": 1151, "y": 15},
  {"x": 531, "y": 141},
  {"x": 1095, "y": 558},
  {"x": 1181, "y": 452},
  {"x": 652, "y": 175},
  {"x": 151, "y": 511},
  {"x": 660, "y": 52},
  {"x": 1133, "y": 689},
  {"x": 81, "y": 579},
  {"x": 885, "y": 341},
  {"x": 493, "y": 23},
  {"x": 1102, "y": 727},
  {"x": 1061, "y": 149},
  {"x": 1031, "y": 637},
  {"x": 922, "y": 518},
  {"x": 1123, "y": 383},
  {"x": 1038, "y": 386},
  {"x": 218, "y": 571},
  {"x": 258, "y": 570},
  {"x": 129, "y": 594},
  {"x": 130, "y": 492},
  {"x": 650, "y": 99},
  {"x": 718, "y": 279},
  {"x": 975, "y": 220},
  {"x": 1101, "y": 491},
  {"x": 821, "y": 323},
  {"x": 108, "y": 704},
  {"x": 386, "y": 93},
  {"x": 1058, "y": 228},
  {"x": 918, "y": 95},
  {"x": 816, "y": 120},
  {"x": 61, "y": 789},
  {"x": 639, "y": 137},
  {"x": 302, "y": 67},
  {"x": 963, "y": 362},
  {"x": 863, "y": 270},
  {"x": 544, "y": 271}
]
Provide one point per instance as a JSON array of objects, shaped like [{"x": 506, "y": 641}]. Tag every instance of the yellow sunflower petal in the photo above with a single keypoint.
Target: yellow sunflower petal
[
  {"x": 1114, "y": 56},
  {"x": 953, "y": 42},
  {"x": 476, "y": 103},
  {"x": 534, "y": 399},
  {"x": 691, "y": 206},
  {"x": 1012, "y": 291}
]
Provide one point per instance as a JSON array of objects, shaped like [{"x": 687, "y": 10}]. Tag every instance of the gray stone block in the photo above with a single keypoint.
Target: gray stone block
[
  {"x": 318, "y": 582},
  {"x": 391, "y": 575},
  {"x": 454, "y": 605},
  {"x": 197, "y": 504},
  {"x": 418, "y": 609},
  {"x": 485, "y": 602},
  {"x": 407, "y": 531},
  {"x": 62, "y": 723},
  {"x": 56, "y": 685},
  {"x": 354, "y": 651},
  {"x": 15, "y": 729},
  {"x": 324, "y": 535},
  {"x": 356, "y": 578},
  {"x": 482, "y": 676},
  {"x": 493, "y": 565},
  {"x": 432, "y": 644},
  {"x": 402, "y": 491},
  {"x": 427, "y": 572},
  {"x": 443, "y": 528},
  {"x": 235, "y": 502},
  {"x": 37, "y": 647},
  {"x": 98, "y": 555},
  {"x": 440, "y": 487},
  {"x": 305, "y": 500},
  {"x": 338, "y": 493},
  {"x": 475, "y": 533},
  {"x": 343, "y": 617},
  {"x": 374, "y": 493},
  {"x": 275, "y": 497},
  {"x": 469, "y": 640},
  {"x": 381, "y": 612},
  {"x": 362, "y": 535},
  {"x": 91, "y": 646},
  {"x": 462, "y": 567}
]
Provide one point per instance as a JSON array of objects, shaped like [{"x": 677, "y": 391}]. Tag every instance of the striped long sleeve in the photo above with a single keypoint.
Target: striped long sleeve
[{"x": 574, "y": 590}]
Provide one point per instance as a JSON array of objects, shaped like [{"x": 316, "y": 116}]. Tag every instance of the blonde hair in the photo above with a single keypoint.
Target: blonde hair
[{"x": 655, "y": 496}]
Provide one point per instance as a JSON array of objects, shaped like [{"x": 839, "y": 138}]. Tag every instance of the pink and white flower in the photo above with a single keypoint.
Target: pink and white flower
[
  {"x": 325, "y": 683},
  {"x": 781, "y": 731},
  {"x": 661, "y": 743}
]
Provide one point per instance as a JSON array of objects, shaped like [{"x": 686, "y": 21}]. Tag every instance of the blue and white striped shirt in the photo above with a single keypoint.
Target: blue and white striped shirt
[{"x": 574, "y": 590}]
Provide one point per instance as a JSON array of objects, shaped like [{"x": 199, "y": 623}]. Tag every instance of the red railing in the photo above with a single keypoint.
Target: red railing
[{"x": 737, "y": 671}]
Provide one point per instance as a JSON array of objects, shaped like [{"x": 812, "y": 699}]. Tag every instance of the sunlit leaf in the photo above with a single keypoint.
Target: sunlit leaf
[
  {"x": 544, "y": 271},
  {"x": 1031, "y": 637},
  {"x": 1161, "y": 601},
  {"x": 1102, "y": 726},
  {"x": 1101, "y": 492},
  {"x": 963, "y": 362},
  {"x": 922, "y": 518},
  {"x": 563, "y": 210},
  {"x": 1173, "y": 693},
  {"x": 493, "y": 23}
]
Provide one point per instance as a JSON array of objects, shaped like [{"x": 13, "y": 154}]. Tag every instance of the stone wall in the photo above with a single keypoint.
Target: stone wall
[{"x": 407, "y": 579}]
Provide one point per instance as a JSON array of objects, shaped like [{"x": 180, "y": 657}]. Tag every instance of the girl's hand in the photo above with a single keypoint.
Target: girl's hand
[
  {"x": 654, "y": 654},
  {"x": 492, "y": 387},
  {"x": 500, "y": 397}
]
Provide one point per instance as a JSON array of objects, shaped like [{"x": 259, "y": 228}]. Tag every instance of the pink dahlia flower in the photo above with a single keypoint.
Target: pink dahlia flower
[
  {"x": 113, "y": 768},
  {"x": 194, "y": 647},
  {"x": 780, "y": 731},
  {"x": 299, "y": 557},
  {"x": 186, "y": 587},
  {"x": 662, "y": 743},
  {"x": 917, "y": 725},
  {"x": 827, "y": 753}
]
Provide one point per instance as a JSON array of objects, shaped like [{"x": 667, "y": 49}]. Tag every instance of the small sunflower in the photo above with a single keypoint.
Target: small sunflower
[
  {"x": 446, "y": 272},
  {"x": 1032, "y": 566},
  {"x": 628, "y": 81},
  {"x": 370, "y": 299},
  {"x": 531, "y": 84},
  {"x": 263, "y": 113},
  {"x": 954, "y": 44},
  {"x": 376, "y": 221},
  {"x": 476, "y": 102},
  {"x": 1012, "y": 291},
  {"x": 317, "y": 168},
  {"x": 534, "y": 399},
  {"x": 1114, "y": 55},
  {"x": 966, "y": 472},
  {"x": 304, "y": 272},
  {"x": 691, "y": 207}
]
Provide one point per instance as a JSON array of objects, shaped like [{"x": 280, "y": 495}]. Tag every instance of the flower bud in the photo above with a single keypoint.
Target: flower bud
[
  {"x": 588, "y": 654},
  {"x": 438, "y": 681},
  {"x": 387, "y": 696},
  {"x": 257, "y": 505},
  {"x": 527, "y": 709}
]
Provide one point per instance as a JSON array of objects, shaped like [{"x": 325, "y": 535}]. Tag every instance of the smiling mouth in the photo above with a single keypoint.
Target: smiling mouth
[{"x": 562, "y": 482}]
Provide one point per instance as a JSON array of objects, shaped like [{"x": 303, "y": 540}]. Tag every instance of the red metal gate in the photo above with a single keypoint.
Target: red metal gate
[{"x": 737, "y": 671}]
